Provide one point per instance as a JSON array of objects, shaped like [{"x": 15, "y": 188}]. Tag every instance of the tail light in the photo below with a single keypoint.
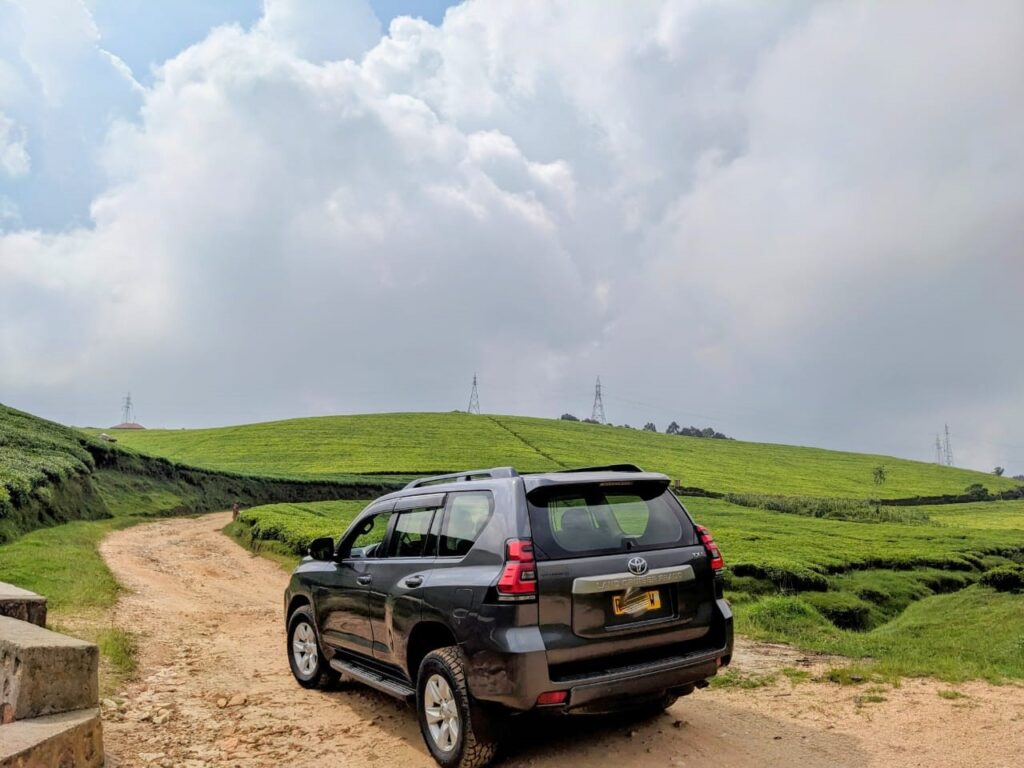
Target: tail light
[
  {"x": 549, "y": 698},
  {"x": 717, "y": 563},
  {"x": 519, "y": 578}
]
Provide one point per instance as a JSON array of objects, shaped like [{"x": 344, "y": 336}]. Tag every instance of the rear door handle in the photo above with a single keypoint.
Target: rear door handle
[
  {"x": 414, "y": 581},
  {"x": 364, "y": 580}
]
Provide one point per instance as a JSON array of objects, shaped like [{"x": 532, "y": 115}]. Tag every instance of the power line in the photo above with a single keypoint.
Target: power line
[
  {"x": 947, "y": 449},
  {"x": 597, "y": 412},
  {"x": 127, "y": 410},
  {"x": 474, "y": 399},
  {"x": 938, "y": 450}
]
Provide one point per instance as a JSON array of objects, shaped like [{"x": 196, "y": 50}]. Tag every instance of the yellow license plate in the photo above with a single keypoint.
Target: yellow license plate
[{"x": 636, "y": 604}]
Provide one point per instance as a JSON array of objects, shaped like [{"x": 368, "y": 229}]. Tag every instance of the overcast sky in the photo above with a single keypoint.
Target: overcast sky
[{"x": 796, "y": 222}]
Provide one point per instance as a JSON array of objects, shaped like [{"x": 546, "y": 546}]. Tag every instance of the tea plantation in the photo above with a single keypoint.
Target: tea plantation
[
  {"x": 421, "y": 443},
  {"x": 930, "y": 589}
]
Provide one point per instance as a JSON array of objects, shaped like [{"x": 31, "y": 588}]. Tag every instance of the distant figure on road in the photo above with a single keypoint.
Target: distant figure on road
[{"x": 234, "y": 511}]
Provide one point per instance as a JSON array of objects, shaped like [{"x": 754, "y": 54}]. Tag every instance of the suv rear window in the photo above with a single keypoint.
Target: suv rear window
[
  {"x": 605, "y": 519},
  {"x": 467, "y": 515}
]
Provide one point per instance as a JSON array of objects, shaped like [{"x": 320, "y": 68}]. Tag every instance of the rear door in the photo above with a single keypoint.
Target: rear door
[{"x": 619, "y": 567}]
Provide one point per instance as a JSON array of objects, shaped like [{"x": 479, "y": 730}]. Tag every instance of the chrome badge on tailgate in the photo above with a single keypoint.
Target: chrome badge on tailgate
[{"x": 618, "y": 582}]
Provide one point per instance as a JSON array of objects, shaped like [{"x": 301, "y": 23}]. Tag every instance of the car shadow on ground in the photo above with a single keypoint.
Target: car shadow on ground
[{"x": 698, "y": 729}]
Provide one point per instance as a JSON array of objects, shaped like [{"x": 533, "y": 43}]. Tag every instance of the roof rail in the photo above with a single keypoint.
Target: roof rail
[
  {"x": 606, "y": 468},
  {"x": 464, "y": 476}
]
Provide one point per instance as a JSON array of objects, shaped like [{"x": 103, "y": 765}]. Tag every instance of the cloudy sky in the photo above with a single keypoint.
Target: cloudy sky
[{"x": 797, "y": 222}]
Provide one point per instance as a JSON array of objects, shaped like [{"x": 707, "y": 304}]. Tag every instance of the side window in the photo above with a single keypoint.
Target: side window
[
  {"x": 411, "y": 532},
  {"x": 370, "y": 536},
  {"x": 466, "y": 516}
]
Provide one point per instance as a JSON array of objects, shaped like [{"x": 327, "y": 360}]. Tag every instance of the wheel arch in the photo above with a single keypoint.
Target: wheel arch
[
  {"x": 426, "y": 636},
  {"x": 296, "y": 602}
]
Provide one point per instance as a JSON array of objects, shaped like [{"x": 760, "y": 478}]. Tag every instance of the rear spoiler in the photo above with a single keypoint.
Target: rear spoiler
[
  {"x": 606, "y": 468},
  {"x": 532, "y": 483}
]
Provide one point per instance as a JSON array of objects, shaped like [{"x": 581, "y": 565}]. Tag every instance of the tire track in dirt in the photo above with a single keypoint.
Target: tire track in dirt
[{"x": 214, "y": 689}]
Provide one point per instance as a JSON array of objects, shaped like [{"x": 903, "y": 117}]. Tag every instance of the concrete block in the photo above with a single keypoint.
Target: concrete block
[
  {"x": 67, "y": 740},
  {"x": 18, "y": 603},
  {"x": 43, "y": 673}
]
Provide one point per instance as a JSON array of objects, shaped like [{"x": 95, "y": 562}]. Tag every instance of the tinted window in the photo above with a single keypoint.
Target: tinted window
[
  {"x": 411, "y": 532},
  {"x": 569, "y": 522},
  {"x": 371, "y": 534},
  {"x": 466, "y": 516}
]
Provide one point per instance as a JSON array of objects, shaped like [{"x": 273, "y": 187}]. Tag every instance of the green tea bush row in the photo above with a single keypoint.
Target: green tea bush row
[
  {"x": 831, "y": 508},
  {"x": 296, "y": 525},
  {"x": 1006, "y": 578}
]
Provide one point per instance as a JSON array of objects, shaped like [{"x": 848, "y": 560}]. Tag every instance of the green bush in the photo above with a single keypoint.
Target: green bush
[
  {"x": 787, "y": 576},
  {"x": 844, "y": 610},
  {"x": 780, "y": 615},
  {"x": 831, "y": 508},
  {"x": 1006, "y": 578},
  {"x": 296, "y": 525}
]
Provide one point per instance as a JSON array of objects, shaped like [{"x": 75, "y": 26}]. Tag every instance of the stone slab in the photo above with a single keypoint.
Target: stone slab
[
  {"x": 18, "y": 603},
  {"x": 67, "y": 740},
  {"x": 44, "y": 673}
]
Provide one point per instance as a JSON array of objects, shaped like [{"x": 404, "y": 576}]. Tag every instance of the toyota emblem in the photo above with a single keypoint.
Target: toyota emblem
[{"x": 637, "y": 566}]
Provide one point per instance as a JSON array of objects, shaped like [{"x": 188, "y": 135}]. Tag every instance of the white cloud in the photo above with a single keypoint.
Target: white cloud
[
  {"x": 321, "y": 30},
  {"x": 799, "y": 220}
]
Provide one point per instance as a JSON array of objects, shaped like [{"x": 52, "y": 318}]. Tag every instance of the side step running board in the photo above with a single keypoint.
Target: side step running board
[{"x": 373, "y": 679}]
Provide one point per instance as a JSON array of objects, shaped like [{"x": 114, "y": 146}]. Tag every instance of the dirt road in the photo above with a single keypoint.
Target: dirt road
[{"x": 214, "y": 689}]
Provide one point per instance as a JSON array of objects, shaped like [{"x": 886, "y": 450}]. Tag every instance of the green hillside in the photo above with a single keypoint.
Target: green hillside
[
  {"x": 51, "y": 474},
  {"x": 417, "y": 443},
  {"x": 45, "y": 471}
]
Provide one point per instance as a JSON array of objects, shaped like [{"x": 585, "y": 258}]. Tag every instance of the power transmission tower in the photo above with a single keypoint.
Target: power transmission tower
[
  {"x": 474, "y": 399},
  {"x": 938, "y": 451},
  {"x": 597, "y": 414},
  {"x": 947, "y": 449},
  {"x": 127, "y": 411}
]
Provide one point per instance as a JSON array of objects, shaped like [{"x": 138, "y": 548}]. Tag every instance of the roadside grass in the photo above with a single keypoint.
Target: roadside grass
[
  {"x": 973, "y": 633},
  {"x": 63, "y": 564},
  {"x": 419, "y": 443},
  {"x": 120, "y": 647},
  {"x": 733, "y": 678}
]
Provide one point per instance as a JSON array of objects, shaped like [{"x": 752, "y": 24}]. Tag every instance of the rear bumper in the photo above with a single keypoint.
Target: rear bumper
[{"x": 516, "y": 677}]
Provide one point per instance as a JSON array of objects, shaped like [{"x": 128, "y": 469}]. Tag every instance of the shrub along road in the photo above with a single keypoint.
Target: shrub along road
[{"x": 213, "y": 689}]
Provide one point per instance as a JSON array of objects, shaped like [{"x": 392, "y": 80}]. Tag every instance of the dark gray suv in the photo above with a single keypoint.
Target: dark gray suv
[{"x": 487, "y": 593}]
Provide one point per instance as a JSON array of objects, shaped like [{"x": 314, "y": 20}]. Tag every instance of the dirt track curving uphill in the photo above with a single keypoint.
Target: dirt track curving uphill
[{"x": 213, "y": 689}]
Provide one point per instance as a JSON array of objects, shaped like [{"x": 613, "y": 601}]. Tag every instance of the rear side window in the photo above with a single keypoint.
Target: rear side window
[
  {"x": 465, "y": 518},
  {"x": 412, "y": 529},
  {"x": 596, "y": 519}
]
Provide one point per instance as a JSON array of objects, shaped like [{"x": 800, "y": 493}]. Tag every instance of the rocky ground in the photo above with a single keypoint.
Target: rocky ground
[{"x": 213, "y": 689}]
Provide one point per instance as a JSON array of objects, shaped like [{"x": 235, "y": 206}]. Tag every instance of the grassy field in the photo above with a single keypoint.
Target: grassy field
[
  {"x": 63, "y": 564},
  {"x": 410, "y": 443},
  {"x": 906, "y": 595}
]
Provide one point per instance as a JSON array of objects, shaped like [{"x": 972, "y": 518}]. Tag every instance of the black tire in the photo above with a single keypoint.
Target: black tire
[
  {"x": 476, "y": 742},
  {"x": 311, "y": 669}
]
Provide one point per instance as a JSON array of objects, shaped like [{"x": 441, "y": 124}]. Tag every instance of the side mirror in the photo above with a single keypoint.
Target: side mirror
[{"x": 322, "y": 549}]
